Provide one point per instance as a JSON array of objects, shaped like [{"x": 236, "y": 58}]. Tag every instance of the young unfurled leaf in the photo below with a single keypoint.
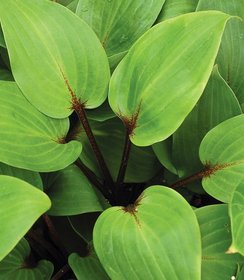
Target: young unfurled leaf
[
  {"x": 54, "y": 56},
  {"x": 150, "y": 237},
  {"x": 163, "y": 75}
]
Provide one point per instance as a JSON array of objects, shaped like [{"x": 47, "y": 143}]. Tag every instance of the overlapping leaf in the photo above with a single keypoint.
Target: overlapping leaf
[
  {"x": 216, "y": 238},
  {"x": 31, "y": 177},
  {"x": 231, "y": 55},
  {"x": 148, "y": 239},
  {"x": 218, "y": 103},
  {"x": 173, "y": 8},
  {"x": 53, "y": 55},
  {"x": 236, "y": 210},
  {"x": 29, "y": 139},
  {"x": 71, "y": 193},
  {"x": 164, "y": 74},
  {"x": 20, "y": 206},
  {"x": 16, "y": 265},
  {"x": 88, "y": 268},
  {"x": 119, "y": 23},
  {"x": 222, "y": 152}
]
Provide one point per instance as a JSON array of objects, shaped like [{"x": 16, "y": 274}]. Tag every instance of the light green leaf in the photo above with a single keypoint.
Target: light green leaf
[
  {"x": 110, "y": 135},
  {"x": 88, "y": 268},
  {"x": 16, "y": 265},
  {"x": 164, "y": 74},
  {"x": 118, "y": 24},
  {"x": 236, "y": 211},
  {"x": 218, "y": 103},
  {"x": 222, "y": 152},
  {"x": 30, "y": 177},
  {"x": 148, "y": 239},
  {"x": 21, "y": 205},
  {"x": 173, "y": 8},
  {"x": 216, "y": 237},
  {"x": 29, "y": 139},
  {"x": 231, "y": 54},
  {"x": 58, "y": 52},
  {"x": 71, "y": 193}
]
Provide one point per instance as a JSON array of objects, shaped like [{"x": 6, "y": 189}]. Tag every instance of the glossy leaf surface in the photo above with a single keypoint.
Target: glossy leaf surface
[
  {"x": 173, "y": 8},
  {"x": 164, "y": 74},
  {"x": 88, "y": 268},
  {"x": 55, "y": 50},
  {"x": 218, "y": 103},
  {"x": 20, "y": 206},
  {"x": 118, "y": 24},
  {"x": 236, "y": 211},
  {"x": 30, "y": 139},
  {"x": 15, "y": 266},
  {"x": 231, "y": 54},
  {"x": 71, "y": 193},
  {"x": 222, "y": 151},
  {"x": 216, "y": 238},
  {"x": 150, "y": 237}
]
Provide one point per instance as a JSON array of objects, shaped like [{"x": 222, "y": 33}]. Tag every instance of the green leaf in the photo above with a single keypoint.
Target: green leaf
[
  {"x": 101, "y": 114},
  {"x": 29, "y": 139},
  {"x": 5, "y": 75},
  {"x": 110, "y": 135},
  {"x": 2, "y": 42},
  {"x": 220, "y": 103},
  {"x": 55, "y": 50},
  {"x": 30, "y": 177},
  {"x": 118, "y": 24},
  {"x": 163, "y": 151},
  {"x": 71, "y": 193},
  {"x": 88, "y": 268},
  {"x": 173, "y": 8},
  {"x": 222, "y": 152},
  {"x": 20, "y": 206},
  {"x": 17, "y": 265},
  {"x": 146, "y": 240},
  {"x": 236, "y": 211},
  {"x": 216, "y": 237},
  {"x": 164, "y": 74},
  {"x": 231, "y": 54}
]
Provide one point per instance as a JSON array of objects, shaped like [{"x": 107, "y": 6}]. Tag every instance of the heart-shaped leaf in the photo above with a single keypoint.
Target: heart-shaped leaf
[
  {"x": 88, "y": 268},
  {"x": 173, "y": 8},
  {"x": 164, "y": 74},
  {"x": 222, "y": 152},
  {"x": 231, "y": 54},
  {"x": 119, "y": 23},
  {"x": 58, "y": 52},
  {"x": 216, "y": 237},
  {"x": 220, "y": 103},
  {"x": 20, "y": 206},
  {"x": 236, "y": 211},
  {"x": 71, "y": 193},
  {"x": 17, "y": 265},
  {"x": 146, "y": 240},
  {"x": 30, "y": 139}
]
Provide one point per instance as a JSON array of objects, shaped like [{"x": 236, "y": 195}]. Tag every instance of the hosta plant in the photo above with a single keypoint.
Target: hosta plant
[{"x": 122, "y": 139}]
